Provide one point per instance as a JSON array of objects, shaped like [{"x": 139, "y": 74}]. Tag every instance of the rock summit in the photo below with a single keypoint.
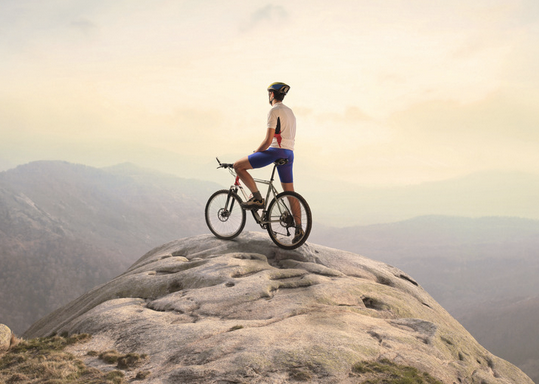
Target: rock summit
[{"x": 244, "y": 311}]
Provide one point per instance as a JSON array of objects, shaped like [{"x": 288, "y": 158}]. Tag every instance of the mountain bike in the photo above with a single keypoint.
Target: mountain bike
[{"x": 286, "y": 214}]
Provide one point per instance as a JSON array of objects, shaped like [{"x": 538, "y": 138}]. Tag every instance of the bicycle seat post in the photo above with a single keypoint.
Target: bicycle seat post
[
  {"x": 273, "y": 172},
  {"x": 276, "y": 164}
]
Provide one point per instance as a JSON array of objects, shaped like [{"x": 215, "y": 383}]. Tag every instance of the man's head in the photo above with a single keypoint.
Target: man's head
[{"x": 277, "y": 91}]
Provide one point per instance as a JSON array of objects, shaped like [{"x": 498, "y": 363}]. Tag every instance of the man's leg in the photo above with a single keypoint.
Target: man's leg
[
  {"x": 241, "y": 166},
  {"x": 288, "y": 186},
  {"x": 294, "y": 204}
]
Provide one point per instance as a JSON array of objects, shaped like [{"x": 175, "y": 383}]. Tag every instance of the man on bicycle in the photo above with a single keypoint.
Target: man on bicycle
[{"x": 278, "y": 144}]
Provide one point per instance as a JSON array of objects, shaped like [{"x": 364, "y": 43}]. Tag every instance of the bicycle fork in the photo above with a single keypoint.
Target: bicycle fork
[{"x": 229, "y": 205}]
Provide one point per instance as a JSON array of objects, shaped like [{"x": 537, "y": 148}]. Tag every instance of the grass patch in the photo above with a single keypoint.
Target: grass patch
[
  {"x": 387, "y": 372},
  {"x": 110, "y": 357},
  {"x": 44, "y": 360},
  {"x": 142, "y": 375},
  {"x": 129, "y": 361},
  {"x": 115, "y": 376}
]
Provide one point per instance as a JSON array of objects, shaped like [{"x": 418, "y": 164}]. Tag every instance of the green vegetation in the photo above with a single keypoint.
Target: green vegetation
[
  {"x": 387, "y": 372},
  {"x": 43, "y": 360}
]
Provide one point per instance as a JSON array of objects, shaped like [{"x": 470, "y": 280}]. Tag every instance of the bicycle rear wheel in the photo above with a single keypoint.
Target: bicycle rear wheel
[
  {"x": 287, "y": 213},
  {"x": 224, "y": 216}
]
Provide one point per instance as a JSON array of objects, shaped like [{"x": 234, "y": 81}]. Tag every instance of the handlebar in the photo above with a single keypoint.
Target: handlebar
[{"x": 224, "y": 165}]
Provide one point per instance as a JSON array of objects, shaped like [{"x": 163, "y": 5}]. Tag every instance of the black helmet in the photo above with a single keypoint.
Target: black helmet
[{"x": 280, "y": 88}]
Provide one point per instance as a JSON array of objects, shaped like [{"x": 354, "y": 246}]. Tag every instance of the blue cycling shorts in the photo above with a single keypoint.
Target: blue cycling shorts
[{"x": 270, "y": 155}]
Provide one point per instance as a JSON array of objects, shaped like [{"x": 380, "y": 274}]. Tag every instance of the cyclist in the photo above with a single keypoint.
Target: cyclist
[{"x": 278, "y": 144}]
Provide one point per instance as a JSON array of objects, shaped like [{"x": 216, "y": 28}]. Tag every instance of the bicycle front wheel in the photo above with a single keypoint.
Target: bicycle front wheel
[
  {"x": 224, "y": 216},
  {"x": 289, "y": 220}
]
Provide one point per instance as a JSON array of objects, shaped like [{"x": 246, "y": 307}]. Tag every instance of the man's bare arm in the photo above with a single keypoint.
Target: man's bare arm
[{"x": 267, "y": 141}]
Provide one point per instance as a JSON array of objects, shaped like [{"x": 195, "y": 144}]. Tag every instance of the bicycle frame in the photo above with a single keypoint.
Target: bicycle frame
[{"x": 272, "y": 192}]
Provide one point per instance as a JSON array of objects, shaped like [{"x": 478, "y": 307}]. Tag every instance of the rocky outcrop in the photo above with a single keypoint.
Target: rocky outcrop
[
  {"x": 209, "y": 311},
  {"x": 5, "y": 338}
]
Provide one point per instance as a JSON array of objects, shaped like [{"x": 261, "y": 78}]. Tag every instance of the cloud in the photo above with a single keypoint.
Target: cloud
[
  {"x": 270, "y": 14},
  {"x": 83, "y": 25}
]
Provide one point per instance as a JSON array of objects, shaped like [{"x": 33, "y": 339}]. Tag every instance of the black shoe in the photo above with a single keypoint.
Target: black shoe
[
  {"x": 253, "y": 204},
  {"x": 298, "y": 235}
]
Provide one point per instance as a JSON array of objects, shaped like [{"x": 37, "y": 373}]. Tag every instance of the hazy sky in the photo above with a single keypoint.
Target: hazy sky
[{"x": 385, "y": 92}]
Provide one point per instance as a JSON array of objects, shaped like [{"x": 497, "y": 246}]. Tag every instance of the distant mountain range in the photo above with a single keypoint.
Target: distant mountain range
[
  {"x": 476, "y": 195},
  {"x": 67, "y": 228}
]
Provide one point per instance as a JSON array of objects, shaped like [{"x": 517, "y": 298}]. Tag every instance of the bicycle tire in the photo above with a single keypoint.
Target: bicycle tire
[
  {"x": 225, "y": 222},
  {"x": 280, "y": 219}
]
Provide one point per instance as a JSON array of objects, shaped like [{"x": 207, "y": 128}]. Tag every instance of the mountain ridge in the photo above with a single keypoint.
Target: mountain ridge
[
  {"x": 482, "y": 193},
  {"x": 487, "y": 193},
  {"x": 89, "y": 222}
]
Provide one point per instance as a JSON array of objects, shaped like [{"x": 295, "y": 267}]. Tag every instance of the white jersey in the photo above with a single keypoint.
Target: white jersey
[{"x": 282, "y": 119}]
